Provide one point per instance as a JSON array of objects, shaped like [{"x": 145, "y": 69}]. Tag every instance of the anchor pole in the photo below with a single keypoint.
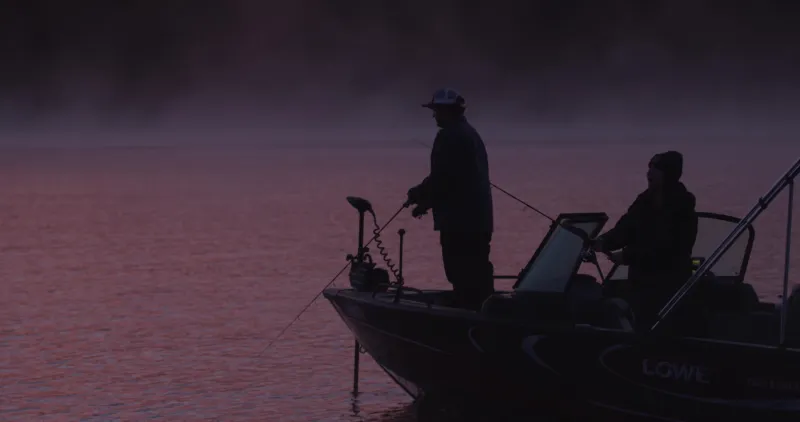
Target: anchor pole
[{"x": 356, "y": 358}]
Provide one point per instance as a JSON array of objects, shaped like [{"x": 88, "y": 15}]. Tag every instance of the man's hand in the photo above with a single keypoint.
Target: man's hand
[
  {"x": 598, "y": 245},
  {"x": 616, "y": 258},
  {"x": 413, "y": 195},
  {"x": 418, "y": 211}
]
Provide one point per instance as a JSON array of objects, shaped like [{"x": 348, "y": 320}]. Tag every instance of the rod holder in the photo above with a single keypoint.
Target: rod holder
[{"x": 787, "y": 264}]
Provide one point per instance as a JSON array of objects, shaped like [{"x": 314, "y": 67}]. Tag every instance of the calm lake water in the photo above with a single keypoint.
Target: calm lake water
[{"x": 143, "y": 284}]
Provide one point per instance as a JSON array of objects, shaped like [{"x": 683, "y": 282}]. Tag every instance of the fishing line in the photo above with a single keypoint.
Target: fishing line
[
  {"x": 305, "y": 308},
  {"x": 374, "y": 237},
  {"x": 572, "y": 229},
  {"x": 512, "y": 196}
]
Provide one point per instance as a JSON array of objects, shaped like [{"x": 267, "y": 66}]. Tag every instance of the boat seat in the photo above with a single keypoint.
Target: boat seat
[
  {"x": 720, "y": 295},
  {"x": 723, "y": 307},
  {"x": 793, "y": 317},
  {"x": 583, "y": 291}
]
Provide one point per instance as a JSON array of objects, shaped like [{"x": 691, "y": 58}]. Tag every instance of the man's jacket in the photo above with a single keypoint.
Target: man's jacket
[
  {"x": 657, "y": 241},
  {"x": 458, "y": 188}
]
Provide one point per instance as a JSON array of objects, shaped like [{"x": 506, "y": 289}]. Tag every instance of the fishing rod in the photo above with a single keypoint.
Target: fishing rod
[
  {"x": 572, "y": 229},
  {"x": 578, "y": 232},
  {"x": 305, "y": 308},
  {"x": 522, "y": 202}
]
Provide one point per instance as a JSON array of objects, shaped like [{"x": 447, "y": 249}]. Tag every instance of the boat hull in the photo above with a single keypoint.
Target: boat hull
[
  {"x": 442, "y": 356},
  {"x": 536, "y": 367}
]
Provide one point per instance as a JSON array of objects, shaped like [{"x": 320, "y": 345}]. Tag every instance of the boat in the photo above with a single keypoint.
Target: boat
[{"x": 715, "y": 352}]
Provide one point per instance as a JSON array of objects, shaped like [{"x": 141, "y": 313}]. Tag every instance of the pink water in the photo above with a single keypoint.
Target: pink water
[{"x": 143, "y": 284}]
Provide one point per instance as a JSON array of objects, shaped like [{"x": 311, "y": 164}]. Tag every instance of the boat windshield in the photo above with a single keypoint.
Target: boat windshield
[
  {"x": 558, "y": 258},
  {"x": 712, "y": 229}
]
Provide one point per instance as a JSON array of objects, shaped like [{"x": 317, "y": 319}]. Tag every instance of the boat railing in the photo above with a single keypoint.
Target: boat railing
[{"x": 787, "y": 180}]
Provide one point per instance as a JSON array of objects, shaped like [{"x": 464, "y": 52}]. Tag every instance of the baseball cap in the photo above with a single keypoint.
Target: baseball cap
[{"x": 446, "y": 97}]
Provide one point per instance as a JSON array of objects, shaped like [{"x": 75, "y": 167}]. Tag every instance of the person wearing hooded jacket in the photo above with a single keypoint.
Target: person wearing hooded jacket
[
  {"x": 459, "y": 193},
  {"x": 655, "y": 238}
]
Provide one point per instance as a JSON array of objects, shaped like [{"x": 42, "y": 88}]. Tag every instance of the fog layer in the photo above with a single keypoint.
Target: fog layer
[{"x": 259, "y": 72}]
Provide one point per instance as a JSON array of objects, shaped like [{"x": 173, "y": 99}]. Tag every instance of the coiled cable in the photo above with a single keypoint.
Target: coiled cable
[
  {"x": 346, "y": 266},
  {"x": 376, "y": 235}
]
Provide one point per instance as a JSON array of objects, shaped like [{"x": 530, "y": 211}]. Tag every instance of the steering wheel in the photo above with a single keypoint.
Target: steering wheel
[{"x": 590, "y": 256}]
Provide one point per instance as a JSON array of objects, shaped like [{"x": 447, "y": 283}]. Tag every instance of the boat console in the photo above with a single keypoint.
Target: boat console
[{"x": 549, "y": 286}]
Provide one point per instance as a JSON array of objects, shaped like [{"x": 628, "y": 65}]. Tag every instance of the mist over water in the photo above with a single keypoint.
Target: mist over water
[{"x": 220, "y": 72}]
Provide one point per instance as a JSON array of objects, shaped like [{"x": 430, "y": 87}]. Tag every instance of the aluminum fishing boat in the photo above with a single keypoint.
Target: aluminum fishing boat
[{"x": 716, "y": 351}]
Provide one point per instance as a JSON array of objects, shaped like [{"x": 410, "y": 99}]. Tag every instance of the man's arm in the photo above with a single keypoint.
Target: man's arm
[
  {"x": 447, "y": 158},
  {"x": 619, "y": 236}
]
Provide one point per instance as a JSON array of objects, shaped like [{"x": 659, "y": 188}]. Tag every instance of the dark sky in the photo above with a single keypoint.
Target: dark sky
[{"x": 283, "y": 67}]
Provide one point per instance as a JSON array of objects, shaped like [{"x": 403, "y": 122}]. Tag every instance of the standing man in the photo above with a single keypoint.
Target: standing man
[{"x": 459, "y": 193}]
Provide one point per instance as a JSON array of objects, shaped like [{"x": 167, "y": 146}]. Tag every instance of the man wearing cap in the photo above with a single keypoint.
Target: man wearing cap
[
  {"x": 655, "y": 238},
  {"x": 459, "y": 193}
]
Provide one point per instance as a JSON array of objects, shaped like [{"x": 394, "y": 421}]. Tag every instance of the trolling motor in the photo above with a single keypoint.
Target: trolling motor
[{"x": 365, "y": 276}]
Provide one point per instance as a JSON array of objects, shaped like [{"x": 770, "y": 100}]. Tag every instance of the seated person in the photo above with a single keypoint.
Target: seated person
[{"x": 654, "y": 239}]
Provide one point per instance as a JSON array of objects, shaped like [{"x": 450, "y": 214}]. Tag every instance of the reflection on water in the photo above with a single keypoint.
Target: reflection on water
[{"x": 397, "y": 413}]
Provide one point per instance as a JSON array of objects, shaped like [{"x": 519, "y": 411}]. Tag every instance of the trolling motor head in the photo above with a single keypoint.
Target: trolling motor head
[{"x": 360, "y": 204}]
